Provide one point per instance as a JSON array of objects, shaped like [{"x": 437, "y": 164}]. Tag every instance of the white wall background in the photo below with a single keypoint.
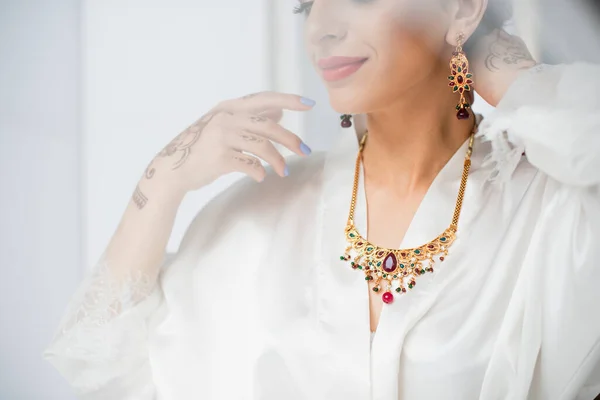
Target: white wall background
[
  {"x": 152, "y": 67},
  {"x": 89, "y": 92},
  {"x": 39, "y": 187}
]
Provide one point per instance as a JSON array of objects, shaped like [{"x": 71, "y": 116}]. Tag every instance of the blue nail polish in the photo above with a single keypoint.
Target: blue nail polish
[
  {"x": 307, "y": 102},
  {"x": 305, "y": 149},
  {"x": 286, "y": 172}
]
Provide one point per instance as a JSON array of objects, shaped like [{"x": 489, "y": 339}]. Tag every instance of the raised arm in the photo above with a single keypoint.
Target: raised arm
[
  {"x": 101, "y": 344},
  {"x": 552, "y": 113}
]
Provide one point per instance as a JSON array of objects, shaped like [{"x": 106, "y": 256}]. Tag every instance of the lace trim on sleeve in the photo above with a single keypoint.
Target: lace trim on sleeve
[{"x": 103, "y": 332}]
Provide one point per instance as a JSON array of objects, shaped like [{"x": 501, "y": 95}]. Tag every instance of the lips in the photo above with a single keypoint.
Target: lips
[
  {"x": 337, "y": 62},
  {"x": 336, "y": 68}
]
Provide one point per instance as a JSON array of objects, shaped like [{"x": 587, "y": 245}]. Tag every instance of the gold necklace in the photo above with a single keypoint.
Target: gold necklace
[{"x": 383, "y": 265}]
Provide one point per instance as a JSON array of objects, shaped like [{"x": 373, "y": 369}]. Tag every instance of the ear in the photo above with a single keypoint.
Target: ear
[{"x": 467, "y": 15}]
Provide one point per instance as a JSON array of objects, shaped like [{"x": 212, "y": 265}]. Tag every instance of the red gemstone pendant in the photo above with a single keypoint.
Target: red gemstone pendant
[
  {"x": 462, "y": 113},
  {"x": 387, "y": 297},
  {"x": 390, "y": 263}
]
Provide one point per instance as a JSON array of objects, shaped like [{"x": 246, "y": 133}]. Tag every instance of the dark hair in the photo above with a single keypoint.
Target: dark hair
[{"x": 496, "y": 15}]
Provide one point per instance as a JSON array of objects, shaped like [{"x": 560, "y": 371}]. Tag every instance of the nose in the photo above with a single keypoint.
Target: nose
[{"x": 326, "y": 23}]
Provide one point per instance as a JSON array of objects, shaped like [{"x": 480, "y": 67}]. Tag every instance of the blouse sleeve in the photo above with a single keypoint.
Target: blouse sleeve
[
  {"x": 100, "y": 346},
  {"x": 552, "y": 113},
  {"x": 551, "y": 116}
]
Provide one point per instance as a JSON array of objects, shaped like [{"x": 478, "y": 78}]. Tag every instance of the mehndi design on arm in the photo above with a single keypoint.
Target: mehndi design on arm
[
  {"x": 181, "y": 145},
  {"x": 508, "y": 49},
  {"x": 139, "y": 198}
]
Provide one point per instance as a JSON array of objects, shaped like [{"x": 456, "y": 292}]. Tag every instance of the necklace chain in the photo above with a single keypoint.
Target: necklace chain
[{"x": 395, "y": 267}]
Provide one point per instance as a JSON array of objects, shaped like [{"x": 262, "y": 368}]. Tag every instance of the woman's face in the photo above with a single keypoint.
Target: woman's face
[{"x": 370, "y": 53}]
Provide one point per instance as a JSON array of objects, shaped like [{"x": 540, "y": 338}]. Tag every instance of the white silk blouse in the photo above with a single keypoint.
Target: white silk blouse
[{"x": 257, "y": 305}]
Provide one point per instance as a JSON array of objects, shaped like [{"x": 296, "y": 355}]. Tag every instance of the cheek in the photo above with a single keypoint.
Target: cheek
[
  {"x": 404, "y": 45},
  {"x": 408, "y": 51}
]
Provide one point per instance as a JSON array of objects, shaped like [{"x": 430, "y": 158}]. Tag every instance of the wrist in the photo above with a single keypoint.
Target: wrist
[{"x": 157, "y": 192}]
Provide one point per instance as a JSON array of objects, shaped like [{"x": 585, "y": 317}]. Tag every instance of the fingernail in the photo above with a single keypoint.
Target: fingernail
[
  {"x": 305, "y": 149},
  {"x": 307, "y": 102},
  {"x": 286, "y": 172}
]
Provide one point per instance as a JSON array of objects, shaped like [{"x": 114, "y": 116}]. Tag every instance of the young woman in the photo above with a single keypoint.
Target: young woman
[{"x": 430, "y": 254}]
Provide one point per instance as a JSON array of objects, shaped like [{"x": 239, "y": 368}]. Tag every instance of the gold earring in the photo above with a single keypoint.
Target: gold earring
[{"x": 461, "y": 79}]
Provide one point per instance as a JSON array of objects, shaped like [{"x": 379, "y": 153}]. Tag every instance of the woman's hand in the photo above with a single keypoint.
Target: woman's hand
[
  {"x": 498, "y": 59},
  {"x": 217, "y": 143}
]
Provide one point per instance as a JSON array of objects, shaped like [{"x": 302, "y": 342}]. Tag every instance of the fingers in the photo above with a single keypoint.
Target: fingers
[
  {"x": 246, "y": 164},
  {"x": 249, "y": 124},
  {"x": 265, "y": 101},
  {"x": 259, "y": 146},
  {"x": 263, "y": 126},
  {"x": 277, "y": 100},
  {"x": 274, "y": 115}
]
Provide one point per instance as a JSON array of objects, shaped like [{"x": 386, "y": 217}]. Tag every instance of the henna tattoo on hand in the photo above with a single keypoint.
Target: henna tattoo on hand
[
  {"x": 150, "y": 171},
  {"x": 181, "y": 145},
  {"x": 258, "y": 118},
  {"x": 510, "y": 50},
  {"x": 139, "y": 198},
  {"x": 248, "y": 161},
  {"x": 251, "y": 138}
]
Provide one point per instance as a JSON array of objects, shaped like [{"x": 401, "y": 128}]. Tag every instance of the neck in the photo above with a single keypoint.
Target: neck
[{"x": 411, "y": 140}]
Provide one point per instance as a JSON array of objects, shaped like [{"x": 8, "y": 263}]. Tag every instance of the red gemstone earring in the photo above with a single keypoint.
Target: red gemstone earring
[
  {"x": 461, "y": 80},
  {"x": 346, "y": 120}
]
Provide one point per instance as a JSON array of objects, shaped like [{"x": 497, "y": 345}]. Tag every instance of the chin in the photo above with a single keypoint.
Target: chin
[{"x": 350, "y": 100}]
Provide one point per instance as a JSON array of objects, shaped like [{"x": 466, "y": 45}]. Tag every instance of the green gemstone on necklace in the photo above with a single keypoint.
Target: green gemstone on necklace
[
  {"x": 352, "y": 235},
  {"x": 417, "y": 251},
  {"x": 443, "y": 239},
  {"x": 398, "y": 290}
]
